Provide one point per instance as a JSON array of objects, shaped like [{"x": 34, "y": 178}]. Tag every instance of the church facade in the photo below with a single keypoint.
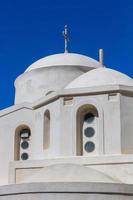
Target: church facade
[{"x": 70, "y": 133}]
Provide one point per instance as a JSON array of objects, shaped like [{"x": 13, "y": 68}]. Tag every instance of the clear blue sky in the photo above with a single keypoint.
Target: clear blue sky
[{"x": 31, "y": 29}]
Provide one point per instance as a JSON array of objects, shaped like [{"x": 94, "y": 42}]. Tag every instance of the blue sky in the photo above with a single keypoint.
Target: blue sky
[{"x": 31, "y": 29}]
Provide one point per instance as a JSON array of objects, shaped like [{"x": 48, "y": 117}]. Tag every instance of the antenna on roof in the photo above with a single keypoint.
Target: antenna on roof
[
  {"x": 66, "y": 38},
  {"x": 101, "y": 56}
]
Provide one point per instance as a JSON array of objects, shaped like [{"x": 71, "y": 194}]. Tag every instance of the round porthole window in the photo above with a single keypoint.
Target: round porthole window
[
  {"x": 89, "y": 147},
  {"x": 89, "y": 132},
  {"x": 89, "y": 117},
  {"x": 24, "y": 156},
  {"x": 24, "y": 144}
]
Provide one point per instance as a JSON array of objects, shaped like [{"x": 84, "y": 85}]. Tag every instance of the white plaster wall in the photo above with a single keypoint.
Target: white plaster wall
[
  {"x": 55, "y": 133},
  {"x": 115, "y": 169},
  {"x": 62, "y": 128},
  {"x": 34, "y": 119},
  {"x": 127, "y": 123},
  {"x": 35, "y": 84},
  {"x": 108, "y": 141},
  {"x": 112, "y": 123},
  {"x": 8, "y": 125}
]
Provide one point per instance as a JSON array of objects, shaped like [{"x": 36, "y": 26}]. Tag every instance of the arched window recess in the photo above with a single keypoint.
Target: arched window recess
[
  {"x": 22, "y": 143},
  {"x": 46, "y": 132},
  {"x": 87, "y": 130}
]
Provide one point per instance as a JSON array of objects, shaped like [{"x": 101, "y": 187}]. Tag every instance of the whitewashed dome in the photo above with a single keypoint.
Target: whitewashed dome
[
  {"x": 65, "y": 59},
  {"x": 51, "y": 74},
  {"x": 101, "y": 77}
]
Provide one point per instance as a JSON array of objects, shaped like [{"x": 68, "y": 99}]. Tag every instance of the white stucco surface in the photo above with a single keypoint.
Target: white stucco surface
[
  {"x": 109, "y": 169},
  {"x": 67, "y": 191},
  {"x": 112, "y": 136},
  {"x": 65, "y": 59},
  {"x": 51, "y": 74},
  {"x": 35, "y": 84},
  {"x": 53, "y": 97},
  {"x": 101, "y": 76}
]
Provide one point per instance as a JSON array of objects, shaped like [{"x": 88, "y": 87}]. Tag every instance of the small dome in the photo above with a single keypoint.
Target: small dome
[
  {"x": 99, "y": 77},
  {"x": 65, "y": 59}
]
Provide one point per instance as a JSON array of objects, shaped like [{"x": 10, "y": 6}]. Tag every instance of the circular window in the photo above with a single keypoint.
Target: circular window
[
  {"x": 89, "y": 147},
  {"x": 25, "y": 145},
  {"x": 89, "y": 132},
  {"x": 89, "y": 117},
  {"x": 24, "y": 156}
]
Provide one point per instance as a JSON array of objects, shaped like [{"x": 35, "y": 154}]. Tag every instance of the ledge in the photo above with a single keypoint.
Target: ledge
[{"x": 73, "y": 187}]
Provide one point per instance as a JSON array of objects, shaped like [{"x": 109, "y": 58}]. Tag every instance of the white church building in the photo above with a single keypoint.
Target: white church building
[{"x": 70, "y": 130}]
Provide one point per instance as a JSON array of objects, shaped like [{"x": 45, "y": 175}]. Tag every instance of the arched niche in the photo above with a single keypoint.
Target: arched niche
[
  {"x": 22, "y": 129},
  {"x": 86, "y": 119},
  {"x": 46, "y": 132}
]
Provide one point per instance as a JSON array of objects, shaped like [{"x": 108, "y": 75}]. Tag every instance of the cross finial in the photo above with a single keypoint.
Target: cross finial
[{"x": 66, "y": 38}]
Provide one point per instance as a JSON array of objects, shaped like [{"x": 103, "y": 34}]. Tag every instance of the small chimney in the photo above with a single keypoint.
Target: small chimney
[{"x": 101, "y": 56}]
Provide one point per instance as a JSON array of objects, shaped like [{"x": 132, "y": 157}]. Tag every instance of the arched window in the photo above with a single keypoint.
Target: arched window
[
  {"x": 22, "y": 143},
  {"x": 87, "y": 130},
  {"x": 46, "y": 133}
]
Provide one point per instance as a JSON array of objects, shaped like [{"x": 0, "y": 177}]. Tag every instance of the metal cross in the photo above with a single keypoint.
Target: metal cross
[{"x": 66, "y": 38}]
